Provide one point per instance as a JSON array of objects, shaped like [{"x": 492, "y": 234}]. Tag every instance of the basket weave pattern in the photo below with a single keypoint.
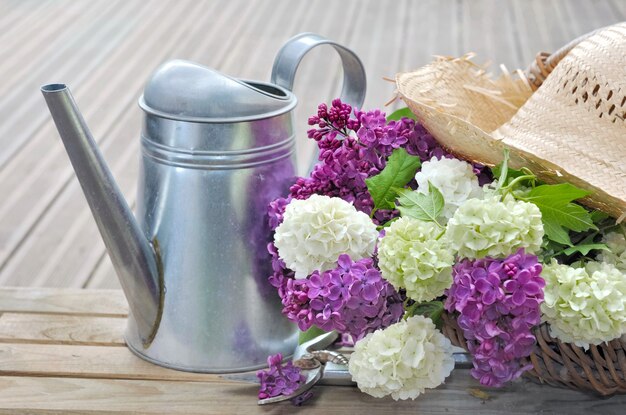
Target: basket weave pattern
[{"x": 601, "y": 370}]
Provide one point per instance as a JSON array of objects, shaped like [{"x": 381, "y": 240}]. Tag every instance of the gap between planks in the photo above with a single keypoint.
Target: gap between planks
[{"x": 98, "y": 362}]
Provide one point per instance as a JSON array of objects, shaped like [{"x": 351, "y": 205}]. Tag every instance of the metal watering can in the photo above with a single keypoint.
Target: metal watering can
[{"x": 193, "y": 264}]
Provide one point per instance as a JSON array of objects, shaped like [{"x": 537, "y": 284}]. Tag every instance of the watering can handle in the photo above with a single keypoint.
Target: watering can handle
[{"x": 289, "y": 57}]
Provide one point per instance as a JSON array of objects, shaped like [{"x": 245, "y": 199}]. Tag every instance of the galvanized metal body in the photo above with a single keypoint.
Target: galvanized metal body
[
  {"x": 203, "y": 194},
  {"x": 194, "y": 264}
]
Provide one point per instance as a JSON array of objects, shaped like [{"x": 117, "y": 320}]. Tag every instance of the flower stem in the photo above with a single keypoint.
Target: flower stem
[
  {"x": 509, "y": 188},
  {"x": 409, "y": 311},
  {"x": 373, "y": 212}
]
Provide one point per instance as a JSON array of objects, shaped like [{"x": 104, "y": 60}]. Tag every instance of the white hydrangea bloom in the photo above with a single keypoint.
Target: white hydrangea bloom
[
  {"x": 616, "y": 242},
  {"x": 584, "y": 305},
  {"x": 454, "y": 178},
  {"x": 402, "y": 360},
  {"x": 410, "y": 256},
  {"x": 316, "y": 231},
  {"x": 496, "y": 228}
]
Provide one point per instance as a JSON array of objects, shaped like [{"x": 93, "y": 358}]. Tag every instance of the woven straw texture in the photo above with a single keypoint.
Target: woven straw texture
[
  {"x": 571, "y": 129},
  {"x": 601, "y": 370}
]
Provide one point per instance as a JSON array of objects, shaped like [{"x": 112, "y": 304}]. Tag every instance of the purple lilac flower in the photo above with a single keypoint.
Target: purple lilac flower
[
  {"x": 276, "y": 210},
  {"x": 279, "y": 379},
  {"x": 498, "y": 304},
  {"x": 354, "y": 145},
  {"x": 333, "y": 121},
  {"x": 352, "y": 298}
]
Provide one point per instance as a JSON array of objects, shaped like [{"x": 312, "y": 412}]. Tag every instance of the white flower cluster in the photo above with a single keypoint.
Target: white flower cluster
[
  {"x": 316, "y": 231},
  {"x": 411, "y": 256},
  {"x": 402, "y": 360},
  {"x": 616, "y": 255},
  {"x": 454, "y": 178},
  {"x": 584, "y": 305},
  {"x": 495, "y": 228}
]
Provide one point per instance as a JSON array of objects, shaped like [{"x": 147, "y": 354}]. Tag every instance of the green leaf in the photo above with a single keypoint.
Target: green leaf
[
  {"x": 570, "y": 216},
  {"x": 401, "y": 113},
  {"x": 584, "y": 248},
  {"x": 504, "y": 169},
  {"x": 589, "y": 239},
  {"x": 416, "y": 205},
  {"x": 510, "y": 175},
  {"x": 550, "y": 249},
  {"x": 399, "y": 171},
  {"x": 430, "y": 309},
  {"x": 559, "y": 215},
  {"x": 507, "y": 175},
  {"x": 310, "y": 334},
  {"x": 556, "y": 193},
  {"x": 388, "y": 223},
  {"x": 556, "y": 232},
  {"x": 550, "y": 245},
  {"x": 598, "y": 216}
]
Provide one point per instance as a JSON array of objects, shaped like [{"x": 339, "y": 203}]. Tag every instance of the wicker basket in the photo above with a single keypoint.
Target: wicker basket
[{"x": 601, "y": 369}]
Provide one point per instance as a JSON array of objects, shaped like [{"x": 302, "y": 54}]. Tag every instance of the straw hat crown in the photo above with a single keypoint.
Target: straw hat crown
[{"x": 571, "y": 129}]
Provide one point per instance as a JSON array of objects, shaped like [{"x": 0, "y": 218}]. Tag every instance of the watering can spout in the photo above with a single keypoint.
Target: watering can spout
[{"x": 134, "y": 257}]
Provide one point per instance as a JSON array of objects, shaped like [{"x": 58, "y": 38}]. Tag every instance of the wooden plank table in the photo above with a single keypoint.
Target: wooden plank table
[{"x": 62, "y": 352}]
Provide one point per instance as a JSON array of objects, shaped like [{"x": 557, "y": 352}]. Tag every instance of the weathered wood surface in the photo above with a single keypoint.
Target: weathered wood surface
[
  {"x": 18, "y": 395},
  {"x": 61, "y": 329},
  {"x": 88, "y": 302},
  {"x": 70, "y": 360},
  {"x": 105, "y": 51}
]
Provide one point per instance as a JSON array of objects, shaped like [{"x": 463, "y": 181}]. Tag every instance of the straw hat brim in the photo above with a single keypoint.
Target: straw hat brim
[{"x": 571, "y": 129}]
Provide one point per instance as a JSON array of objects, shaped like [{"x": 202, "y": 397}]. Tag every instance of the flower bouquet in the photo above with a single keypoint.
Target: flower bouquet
[{"x": 390, "y": 231}]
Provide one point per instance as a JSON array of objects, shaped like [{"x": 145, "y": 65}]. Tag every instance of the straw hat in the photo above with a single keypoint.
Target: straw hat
[{"x": 571, "y": 129}]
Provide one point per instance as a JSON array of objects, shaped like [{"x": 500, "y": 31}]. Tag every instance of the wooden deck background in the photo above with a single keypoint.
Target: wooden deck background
[{"x": 105, "y": 50}]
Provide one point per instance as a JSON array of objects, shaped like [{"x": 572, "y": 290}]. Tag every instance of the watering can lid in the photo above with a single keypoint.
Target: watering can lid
[{"x": 186, "y": 91}]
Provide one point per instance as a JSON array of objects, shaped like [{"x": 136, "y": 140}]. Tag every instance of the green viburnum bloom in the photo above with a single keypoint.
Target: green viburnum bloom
[
  {"x": 616, "y": 254},
  {"x": 412, "y": 255},
  {"x": 490, "y": 227},
  {"x": 584, "y": 305}
]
